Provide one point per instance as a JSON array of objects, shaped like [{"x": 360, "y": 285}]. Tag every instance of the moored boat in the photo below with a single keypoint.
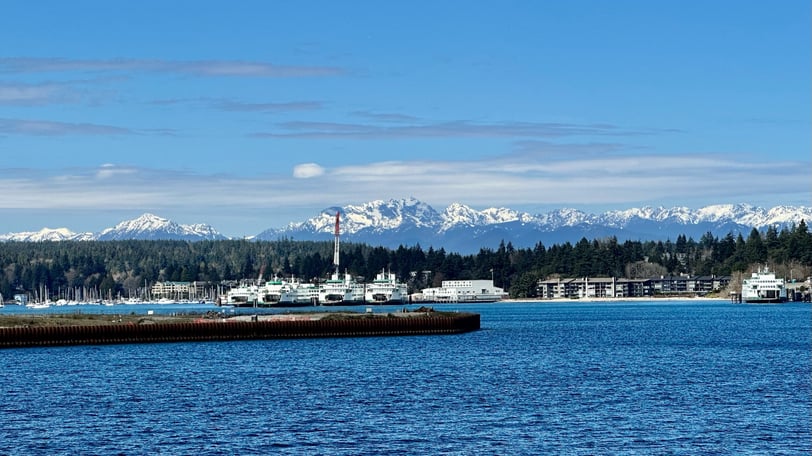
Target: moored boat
[
  {"x": 243, "y": 296},
  {"x": 763, "y": 287},
  {"x": 38, "y": 305},
  {"x": 341, "y": 290},
  {"x": 386, "y": 289},
  {"x": 287, "y": 293}
]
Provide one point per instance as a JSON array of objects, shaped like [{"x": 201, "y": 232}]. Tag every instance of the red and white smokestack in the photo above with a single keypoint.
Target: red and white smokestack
[{"x": 335, "y": 252}]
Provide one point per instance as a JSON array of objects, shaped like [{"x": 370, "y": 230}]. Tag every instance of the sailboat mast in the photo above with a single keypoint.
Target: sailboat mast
[{"x": 335, "y": 252}]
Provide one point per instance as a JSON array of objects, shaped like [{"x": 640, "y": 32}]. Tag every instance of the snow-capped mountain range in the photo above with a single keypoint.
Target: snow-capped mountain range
[
  {"x": 381, "y": 216},
  {"x": 460, "y": 228},
  {"x": 147, "y": 226},
  {"x": 463, "y": 229}
]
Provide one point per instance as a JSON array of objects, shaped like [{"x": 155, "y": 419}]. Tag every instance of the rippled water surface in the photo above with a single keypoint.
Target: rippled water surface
[{"x": 539, "y": 378}]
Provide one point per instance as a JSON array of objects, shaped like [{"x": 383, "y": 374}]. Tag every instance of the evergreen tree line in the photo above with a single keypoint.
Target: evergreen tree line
[{"x": 114, "y": 268}]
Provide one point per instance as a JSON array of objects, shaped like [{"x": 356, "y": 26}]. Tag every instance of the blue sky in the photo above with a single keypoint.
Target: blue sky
[{"x": 249, "y": 115}]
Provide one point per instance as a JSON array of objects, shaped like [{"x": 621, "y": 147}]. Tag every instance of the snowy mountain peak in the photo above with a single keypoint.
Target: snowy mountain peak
[
  {"x": 145, "y": 222},
  {"x": 565, "y": 217},
  {"x": 377, "y": 215},
  {"x": 151, "y": 226},
  {"x": 502, "y": 215},
  {"x": 458, "y": 214},
  {"x": 46, "y": 234}
]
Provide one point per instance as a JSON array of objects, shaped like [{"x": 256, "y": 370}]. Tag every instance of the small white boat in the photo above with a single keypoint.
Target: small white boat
[{"x": 38, "y": 305}]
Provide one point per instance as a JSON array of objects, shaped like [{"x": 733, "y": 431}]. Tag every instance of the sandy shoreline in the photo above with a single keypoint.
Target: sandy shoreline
[{"x": 641, "y": 299}]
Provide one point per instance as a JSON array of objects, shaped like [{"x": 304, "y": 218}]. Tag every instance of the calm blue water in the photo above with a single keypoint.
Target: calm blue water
[{"x": 539, "y": 378}]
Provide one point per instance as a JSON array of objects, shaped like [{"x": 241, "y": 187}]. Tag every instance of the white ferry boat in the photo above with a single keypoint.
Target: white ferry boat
[
  {"x": 386, "y": 289},
  {"x": 341, "y": 290},
  {"x": 303, "y": 294},
  {"x": 287, "y": 293},
  {"x": 464, "y": 291},
  {"x": 763, "y": 286},
  {"x": 243, "y": 296}
]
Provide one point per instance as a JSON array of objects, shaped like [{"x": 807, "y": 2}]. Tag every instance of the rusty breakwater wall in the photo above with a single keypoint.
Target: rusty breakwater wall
[{"x": 236, "y": 330}]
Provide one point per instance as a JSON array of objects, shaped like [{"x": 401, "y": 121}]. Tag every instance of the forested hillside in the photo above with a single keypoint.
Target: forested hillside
[{"x": 114, "y": 268}]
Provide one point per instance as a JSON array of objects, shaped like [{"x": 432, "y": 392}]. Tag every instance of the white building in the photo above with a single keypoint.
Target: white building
[
  {"x": 464, "y": 291},
  {"x": 177, "y": 290}
]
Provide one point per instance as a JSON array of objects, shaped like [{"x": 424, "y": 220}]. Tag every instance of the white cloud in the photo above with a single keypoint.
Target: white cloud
[
  {"x": 238, "y": 68},
  {"x": 109, "y": 170},
  {"x": 54, "y": 128},
  {"x": 307, "y": 171},
  {"x": 27, "y": 94},
  {"x": 453, "y": 129}
]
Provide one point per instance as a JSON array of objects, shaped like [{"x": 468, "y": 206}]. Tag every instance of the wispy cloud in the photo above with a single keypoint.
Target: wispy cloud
[
  {"x": 37, "y": 127},
  {"x": 88, "y": 91},
  {"x": 533, "y": 149},
  {"x": 458, "y": 129},
  {"x": 20, "y": 94},
  {"x": 384, "y": 117},
  {"x": 203, "y": 68},
  {"x": 109, "y": 170},
  {"x": 232, "y": 105},
  {"x": 54, "y": 128}
]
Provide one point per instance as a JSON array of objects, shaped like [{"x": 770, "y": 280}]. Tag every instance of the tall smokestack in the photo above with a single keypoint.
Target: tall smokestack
[{"x": 335, "y": 252}]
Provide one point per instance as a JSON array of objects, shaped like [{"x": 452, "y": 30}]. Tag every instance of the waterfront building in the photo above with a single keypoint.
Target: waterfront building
[
  {"x": 464, "y": 291},
  {"x": 177, "y": 290},
  {"x": 611, "y": 287}
]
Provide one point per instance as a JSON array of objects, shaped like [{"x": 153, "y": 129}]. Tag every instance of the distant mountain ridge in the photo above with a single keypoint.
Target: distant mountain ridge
[
  {"x": 463, "y": 229},
  {"x": 460, "y": 228},
  {"x": 145, "y": 227},
  {"x": 152, "y": 227},
  {"x": 382, "y": 215},
  {"x": 47, "y": 234}
]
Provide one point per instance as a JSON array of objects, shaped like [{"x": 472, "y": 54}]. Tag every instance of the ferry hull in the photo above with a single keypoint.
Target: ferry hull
[
  {"x": 345, "y": 302},
  {"x": 291, "y": 304},
  {"x": 764, "y": 300},
  {"x": 385, "y": 301}
]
